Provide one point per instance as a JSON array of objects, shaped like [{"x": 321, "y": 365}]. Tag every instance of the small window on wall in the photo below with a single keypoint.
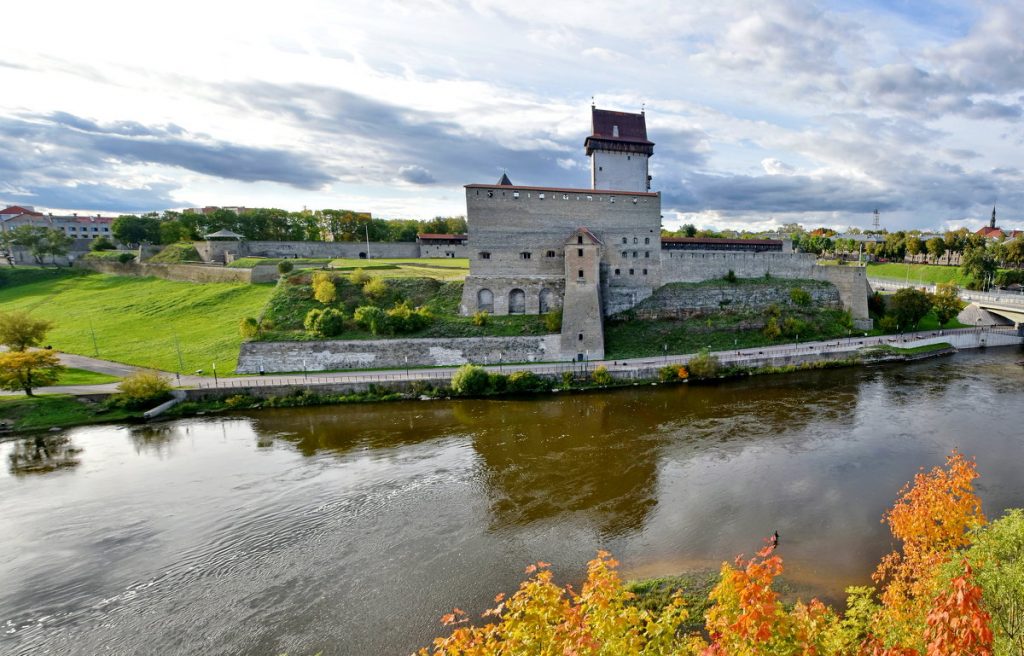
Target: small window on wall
[
  {"x": 631, "y": 272},
  {"x": 645, "y": 272},
  {"x": 579, "y": 274},
  {"x": 647, "y": 240},
  {"x": 580, "y": 337},
  {"x": 634, "y": 254},
  {"x": 647, "y": 254},
  {"x": 525, "y": 255},
  {"x": 515, "y": 194},
  {"x": 635, "y": 240},
  {"x": 550, "y": 254},
  {"x": 540, "y": 196},
  {"x": 579, "y": 239},
  {"x": 600, "y": 168},
  {"x": 625, "y": 241},
  {"x": 485, "y": 255},
  {"x": 579, "y": 252},
  {"x": 625, "y": 254},
  {"x": 618, "y": 272}
]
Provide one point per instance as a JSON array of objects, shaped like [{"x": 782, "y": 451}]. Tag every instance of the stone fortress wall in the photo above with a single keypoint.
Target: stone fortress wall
[{"x": 226, "y": 251}]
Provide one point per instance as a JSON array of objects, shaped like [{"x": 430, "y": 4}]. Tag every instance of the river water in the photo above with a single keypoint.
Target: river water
[{"x": 352, "y": 529}]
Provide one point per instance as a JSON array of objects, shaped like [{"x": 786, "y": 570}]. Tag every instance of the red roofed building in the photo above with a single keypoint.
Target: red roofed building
[{"x": 991, "y": 231}]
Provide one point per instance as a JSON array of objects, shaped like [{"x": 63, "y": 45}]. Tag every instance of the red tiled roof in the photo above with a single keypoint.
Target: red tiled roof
[
  {"x": 18, "y": 209},
  {"x": 631, "y": 127},
  {"x": 711, "y": 240},
  {"x": 989, "y": 231},
  {"x": 435, "y": 235}
]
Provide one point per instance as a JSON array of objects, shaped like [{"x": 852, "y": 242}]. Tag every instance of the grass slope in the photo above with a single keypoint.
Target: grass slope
[
  {"x": 72, "y": 376},
  {"x": 48, "y": 410},
  {"x": 919, "y": 273},
  {"x": 136, "y": 320},
  {"x": 293, "y": 299}
]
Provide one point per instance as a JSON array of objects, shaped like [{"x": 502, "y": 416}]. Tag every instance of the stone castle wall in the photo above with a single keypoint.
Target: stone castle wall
[
  {"x": 334, "y": 355},
  {"x": 680, "y": 301},
  {"x": 180, "y": 272},
  {"x": 218, "y": 251}
]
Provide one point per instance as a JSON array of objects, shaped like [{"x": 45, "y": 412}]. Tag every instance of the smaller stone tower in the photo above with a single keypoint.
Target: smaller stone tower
[
  {"x": 582, "y": 327},
  {"x": 618, "y": 150}
]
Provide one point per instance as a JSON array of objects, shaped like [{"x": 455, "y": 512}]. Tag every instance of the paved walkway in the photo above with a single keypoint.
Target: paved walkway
[{"x": 962, "y": 338}]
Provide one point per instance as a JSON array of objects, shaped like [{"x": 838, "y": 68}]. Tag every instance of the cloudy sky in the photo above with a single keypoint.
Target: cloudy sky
[{"x": 763, "y": 111}]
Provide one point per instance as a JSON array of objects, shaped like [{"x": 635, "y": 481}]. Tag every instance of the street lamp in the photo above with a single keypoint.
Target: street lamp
[
  {"x": 664, "y": 349},
  {"x": 214, "y": 374}
]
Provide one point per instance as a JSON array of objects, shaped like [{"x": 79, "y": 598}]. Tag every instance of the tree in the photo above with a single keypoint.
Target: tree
[
  {"x": 946, "y": 301},
  {"x": 26, "y": 370},
  {"x": 284, "y": 267},
  {"x": 936, "y": 247},
  {"x": 323, "y": 288},
  {"x": 908, "y": 306},
  {"x": 39, "y": 241},
  {"x": 20, "y": 331},
  {"x": 997, "y": 557},
  {"x": 101, "y": 243},
  {"x": 470, "y": 380},
  {"x": 134, "y": 230},
  {"x": 978, "y": 264}
]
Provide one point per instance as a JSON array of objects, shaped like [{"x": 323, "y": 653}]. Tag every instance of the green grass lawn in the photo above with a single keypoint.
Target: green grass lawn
[
  {"x": 72, "y": 376},
  {"x": 450, "y": 262},
  {"x": 137, "y": 320},
  {"x": 919, "y": 273},
  {"x": 46, "y": 410}
]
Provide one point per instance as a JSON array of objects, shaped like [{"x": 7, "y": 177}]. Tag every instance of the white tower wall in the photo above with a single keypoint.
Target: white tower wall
[{"x": 618, "y": 171}]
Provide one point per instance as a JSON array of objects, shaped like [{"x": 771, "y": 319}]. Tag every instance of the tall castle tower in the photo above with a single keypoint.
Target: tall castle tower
[{"x": 618, "y": 150}]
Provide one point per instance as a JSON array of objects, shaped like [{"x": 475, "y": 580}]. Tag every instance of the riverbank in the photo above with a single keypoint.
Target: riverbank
[{"x": 53, "y": 411}]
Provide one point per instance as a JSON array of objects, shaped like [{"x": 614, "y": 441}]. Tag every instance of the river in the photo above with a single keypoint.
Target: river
[{"x": 352, "y": 529}]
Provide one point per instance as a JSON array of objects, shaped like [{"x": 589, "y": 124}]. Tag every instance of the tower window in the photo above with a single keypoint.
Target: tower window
[
  {"x": 525, "y": 255},
  {"x": 579, "y": 274},
  {"x": 634, "y": 254},
  {"x": 631, "y": 272},
  {"x": 580, "y": 338},
  {"x": 579, "y": 252},
  {"x": 579, "y": 239},
  {"x": 540, "y": 196},
  {"x": 647, "y": 240},
  {"x": 625, "y": 241},
  {"x": 635, "y": 240},
  {"x": 628, "y": 157},
  {"x": 484, "y": 255},
  {"x": 590, "y": 198},
  {"x": 600, "y": 168},
  {"x": 618, "y": 272},
  {"x": 550, "y": 253},
  {"x": 647, "y": 254},
  {"x": 645, "y": 272},
  {"x": 625, "y": 254},
  {"x": 515, "y": 194}
]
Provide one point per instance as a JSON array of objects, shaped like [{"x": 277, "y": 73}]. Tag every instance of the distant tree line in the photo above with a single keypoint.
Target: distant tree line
[{"x": 269, "y": 224}]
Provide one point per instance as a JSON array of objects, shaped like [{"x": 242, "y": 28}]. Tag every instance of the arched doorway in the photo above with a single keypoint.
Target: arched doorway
[
  {"x": 517, "y": 302},
  {"x": 546, "y": 298},
  {"x": 485, "y": 300}
]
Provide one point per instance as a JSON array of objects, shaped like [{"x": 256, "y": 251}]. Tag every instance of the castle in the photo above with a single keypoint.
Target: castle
[{"x": 595, "y": 252}]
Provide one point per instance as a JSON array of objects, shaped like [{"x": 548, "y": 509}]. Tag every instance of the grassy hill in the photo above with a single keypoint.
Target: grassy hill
[
  {"x": 137, "y": 320},
  {"x": 918, "y": 273}
]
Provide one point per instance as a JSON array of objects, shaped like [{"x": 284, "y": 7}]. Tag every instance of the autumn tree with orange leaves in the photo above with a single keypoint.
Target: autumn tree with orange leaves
[{"x": 919, "y": 610}]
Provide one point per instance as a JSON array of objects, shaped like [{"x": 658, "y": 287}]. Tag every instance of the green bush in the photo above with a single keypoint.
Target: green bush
[
  {"x": 481, "y": 318},
  {"x": 125, "y": 258},
  {"x": 888, "y": 324},
  {"x": 601, "y": 375},
  {"x": 101, "y": 243},
  {"x": 403, "y": 319},
  {"x": 497, "y": 383},
  {"x": 553, "y": 320},
  {"x": 359, "y": 277},
  {"x": 309, "y": 323},
  {"x": 323, "y": 287},
  {"x": 668, "y": 373},
  {"x": 284, "y": 267},
  {"x": 800, "y": 296},
  {"x": 248, "y": 328},
  {"x": 703, "y": 365},
  {"x": 330, "y": 323},
  {"x": 771, "y": 329},
  {"x": 526, "y": 381},
  {"x": 567, "y": 379},
  {"x": 370, "y": 317},
  {"x": 731, "y": 276},
  {"x": 375, "y": 289},
  {"x": 792, "y": 327},
  {"x": 470, "y": 380},
  {"x": 142, "y": 389},
  {"x": 241, "y": 401}
]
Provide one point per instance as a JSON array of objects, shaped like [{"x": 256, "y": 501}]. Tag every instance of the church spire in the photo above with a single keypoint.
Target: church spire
[{"x": 992, "y": 223}]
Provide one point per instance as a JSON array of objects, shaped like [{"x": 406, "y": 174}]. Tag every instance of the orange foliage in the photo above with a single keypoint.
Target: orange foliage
[
  {"x": 932, "y": 517},
  {"x": 958, "y": 625}
]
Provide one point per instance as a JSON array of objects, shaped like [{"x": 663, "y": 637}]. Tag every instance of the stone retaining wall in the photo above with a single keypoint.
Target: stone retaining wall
[
  {"x": 679, "y": 301},
  {"x": 178, "y": 272},
  {"x": 224, "y": 251},
  {"x": 331, "y": 355}
]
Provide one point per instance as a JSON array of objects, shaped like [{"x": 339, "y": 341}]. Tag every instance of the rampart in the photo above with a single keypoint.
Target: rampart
[
  {"x": 181, "y": 272},
  {"x": 331, "y": 355},
  {"x": 228, "y": 250}
]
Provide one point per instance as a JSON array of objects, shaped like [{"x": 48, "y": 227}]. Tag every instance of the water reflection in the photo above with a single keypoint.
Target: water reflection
[
  {"x": 42, "y": 454},
  {"x": 155, "y": 438}
]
